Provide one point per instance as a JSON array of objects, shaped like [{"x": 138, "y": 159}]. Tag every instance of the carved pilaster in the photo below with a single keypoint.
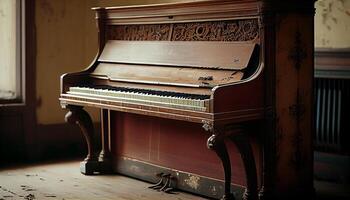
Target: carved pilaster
[
  {"x": 298, "y": 54},
  {"x": 105, "y": 154}
]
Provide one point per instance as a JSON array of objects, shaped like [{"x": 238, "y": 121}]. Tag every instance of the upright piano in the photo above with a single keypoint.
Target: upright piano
[{"x": 188, "y": 91}]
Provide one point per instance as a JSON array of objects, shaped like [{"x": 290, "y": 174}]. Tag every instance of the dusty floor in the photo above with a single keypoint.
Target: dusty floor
[{"x": 63, "y": 181}]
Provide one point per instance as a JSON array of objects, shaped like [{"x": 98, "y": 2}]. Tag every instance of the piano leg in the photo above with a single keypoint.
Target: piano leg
[
  {"x": 216, "y": 143},
  {"x": 246, "y": 152},
  {"x": 104, "y": 158},
  {"x": 77, "y": 115}
]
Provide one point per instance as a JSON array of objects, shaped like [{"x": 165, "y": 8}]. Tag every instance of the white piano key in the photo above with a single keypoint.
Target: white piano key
[{"x": 139, "y": 97}]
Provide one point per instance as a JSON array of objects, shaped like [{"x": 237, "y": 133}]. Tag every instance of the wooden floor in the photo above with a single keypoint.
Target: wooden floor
[{"x": 64, "y": 181}]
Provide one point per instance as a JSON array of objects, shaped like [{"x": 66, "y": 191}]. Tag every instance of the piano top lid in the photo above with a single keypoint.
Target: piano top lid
[
  {"x": 172, "y": 4},
  {"x": 198, "y": 54}
]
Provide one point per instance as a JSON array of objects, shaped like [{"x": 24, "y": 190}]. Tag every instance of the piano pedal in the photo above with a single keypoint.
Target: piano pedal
[
  {"x": 170, "y": 191},
  {"x": 159, "y": 184},
  {"x": 164, "y": 184},
  {"x": 167, "y": 186}
]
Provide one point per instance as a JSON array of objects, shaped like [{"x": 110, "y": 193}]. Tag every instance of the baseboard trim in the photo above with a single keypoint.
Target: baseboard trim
[
  {"x": 331, "y": 167},
  {"x": 186, "y": 181}
]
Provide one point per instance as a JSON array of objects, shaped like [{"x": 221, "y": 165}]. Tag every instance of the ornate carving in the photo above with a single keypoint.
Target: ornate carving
[
  {"x": 208, "y": 126},
  {"x": 297, "y": 110},
  {"x": 139, "y": 32},
  {"x": 298, "y": 53},
  {"x": 236, "y": 30},
  {"x": 77, "y": 115},
  {"x": 233, "y": 30}
]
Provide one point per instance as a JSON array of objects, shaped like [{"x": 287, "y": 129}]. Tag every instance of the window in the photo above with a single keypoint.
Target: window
[{"x": 11, "y": 50}]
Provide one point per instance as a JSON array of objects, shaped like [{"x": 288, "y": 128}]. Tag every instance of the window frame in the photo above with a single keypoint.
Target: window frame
[
  {"x": 19, "y": 99},
  {"x": 21, "y": 112}
]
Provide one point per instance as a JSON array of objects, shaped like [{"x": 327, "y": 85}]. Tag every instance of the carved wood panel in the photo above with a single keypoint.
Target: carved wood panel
[
  {"x": 237, "y": 30},
  {"x": 232, "y": 30},
  {"x": 139, "y": 32}
]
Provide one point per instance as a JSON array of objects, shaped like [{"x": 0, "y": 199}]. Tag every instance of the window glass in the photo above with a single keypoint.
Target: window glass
[{"x": 9, "y": 43}]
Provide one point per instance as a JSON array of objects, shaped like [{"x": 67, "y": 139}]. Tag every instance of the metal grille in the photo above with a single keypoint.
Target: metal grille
[{"x": 332, "y": 114}]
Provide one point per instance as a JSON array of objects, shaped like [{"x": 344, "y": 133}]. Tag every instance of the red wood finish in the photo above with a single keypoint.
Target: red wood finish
[{"x": 174, "y": 144}]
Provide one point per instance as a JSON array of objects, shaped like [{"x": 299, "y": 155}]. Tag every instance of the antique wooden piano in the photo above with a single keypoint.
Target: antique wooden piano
[{"x": 177, "y": 82}]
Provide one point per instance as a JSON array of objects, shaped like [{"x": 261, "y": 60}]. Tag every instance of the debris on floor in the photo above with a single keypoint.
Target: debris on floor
[{"x": 29, "y": 197}]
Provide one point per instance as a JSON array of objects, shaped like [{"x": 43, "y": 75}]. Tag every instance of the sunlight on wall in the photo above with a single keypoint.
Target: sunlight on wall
[
  {"x": 332, "y": 24},
  {"x": 66, "y": 42}
]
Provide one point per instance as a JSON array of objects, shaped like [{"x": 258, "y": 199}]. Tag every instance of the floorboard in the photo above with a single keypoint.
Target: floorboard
[{"x": 64, "y": 181}]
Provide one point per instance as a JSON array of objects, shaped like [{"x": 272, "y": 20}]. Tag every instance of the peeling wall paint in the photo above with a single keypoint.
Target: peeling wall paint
[{"x": 332, "y": 24}]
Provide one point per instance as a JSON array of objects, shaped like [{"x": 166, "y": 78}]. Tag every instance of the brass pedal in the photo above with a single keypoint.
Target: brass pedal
[
  {"x": 167, "y": 182},
  {"x": 167, "y": 188},
  {"x": 164, "y": 184},
  {"x": 159, "y": 184}
]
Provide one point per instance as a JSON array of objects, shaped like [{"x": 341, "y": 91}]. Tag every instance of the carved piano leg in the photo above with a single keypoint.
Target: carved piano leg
[
  {"x": 216, "y": 143},
  {"x": 246, "y": 152},
  {"x": 105, "y": 154},
  {"x": 77, "y": 115}
]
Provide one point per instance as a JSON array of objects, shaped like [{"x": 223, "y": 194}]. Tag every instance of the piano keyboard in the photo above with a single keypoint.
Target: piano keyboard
[{"x": 142, "y": 96}]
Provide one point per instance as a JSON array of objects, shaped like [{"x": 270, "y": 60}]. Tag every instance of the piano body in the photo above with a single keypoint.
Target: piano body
[{"x": 188, "y": 91}]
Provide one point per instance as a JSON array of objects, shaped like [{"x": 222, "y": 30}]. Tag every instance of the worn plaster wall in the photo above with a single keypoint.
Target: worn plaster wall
[
  {"x": 60, "y": 31},
  {"x": 332, "y": 24},
  {"x": 66, "y": 42}
]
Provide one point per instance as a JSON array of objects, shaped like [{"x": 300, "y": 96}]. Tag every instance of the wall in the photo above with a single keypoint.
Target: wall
[
  {"x": 61, "y": 48},
  {"x": 332, "y": 24},
  {"x": 66, "y": 42}
]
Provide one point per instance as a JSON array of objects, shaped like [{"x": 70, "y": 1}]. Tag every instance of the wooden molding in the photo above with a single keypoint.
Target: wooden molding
[
  {"x": 185, "y": 181},
  {"x": 332, "y": 63},
  {"x": 19, "y": 117}
]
